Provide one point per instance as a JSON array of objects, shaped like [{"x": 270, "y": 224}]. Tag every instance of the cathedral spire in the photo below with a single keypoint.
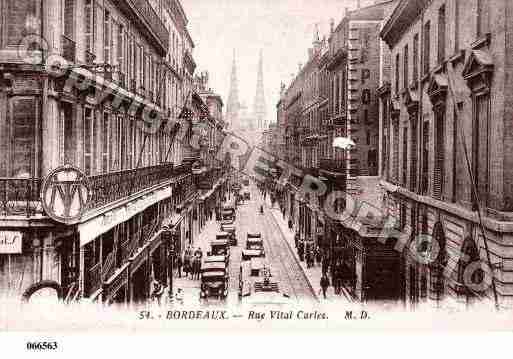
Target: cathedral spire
[
  {"x": 233, "y": 105},
  {"x": 259, "y": 105}
]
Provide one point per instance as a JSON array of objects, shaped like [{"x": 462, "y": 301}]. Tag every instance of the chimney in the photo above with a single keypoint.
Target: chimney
[{"x": 332, "y": 25}]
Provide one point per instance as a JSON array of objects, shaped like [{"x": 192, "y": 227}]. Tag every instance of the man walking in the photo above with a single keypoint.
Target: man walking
[
  {"x": 324, "y": 284},
  {"x": 178, "y": 263}
]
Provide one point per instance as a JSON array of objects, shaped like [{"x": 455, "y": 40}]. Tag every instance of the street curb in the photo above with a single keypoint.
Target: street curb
[{"x": 293, "y": 255}]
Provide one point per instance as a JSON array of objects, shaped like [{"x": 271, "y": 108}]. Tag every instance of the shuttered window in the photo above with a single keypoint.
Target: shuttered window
[
  {"x": 107, "y": 37},
  {"x": 413, "y": 155},
  {"x": 397, "y": 74},
  {"x": 396, "y": 152},
  {"x": 482, "y": 17},
  {"x": 425, "y": 157},
  {"x": 21, "y": 18},
  {"x": 405, "y": 156},
  {"x": 24, "y": 116},
  {"x": 481, "y": 146},
  {"x": 405, "y": 67},
  {"x": 68, "y": 17},
  {"x": 385, "y": 154},
  {"x": 89, "y": 25},
  {"x": 88, "y": 141},
  {"x": 441, "y": 34},
  {"x": 416, "y": 58},
  {"x": 68, "y": 133},
  {"x": 120, "y": 52},
  {"x": 427, "y": 47},
  {"x": 438, "y": 174}
]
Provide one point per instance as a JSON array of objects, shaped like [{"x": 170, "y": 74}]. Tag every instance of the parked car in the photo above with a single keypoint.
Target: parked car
[
  {"x": 217, "y": 259},
  {"x": 214, "y": 267},
  {"x": 221, "y": 245},
  {"x": 246, "y": 195},
  {"x": 254, "y": 246},
  {"x": 230, "y": 228},
  {"x": 214, "y": 285},
  {"x": 228, "y": 213}
]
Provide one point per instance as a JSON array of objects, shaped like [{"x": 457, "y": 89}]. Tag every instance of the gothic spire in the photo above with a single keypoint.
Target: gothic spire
[
  {"x": 233, "y": 105},
  {"x": 259, "y": 105}
]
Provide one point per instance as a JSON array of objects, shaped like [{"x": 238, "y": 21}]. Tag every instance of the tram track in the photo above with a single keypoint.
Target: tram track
[{"x": 278, "y": 252}]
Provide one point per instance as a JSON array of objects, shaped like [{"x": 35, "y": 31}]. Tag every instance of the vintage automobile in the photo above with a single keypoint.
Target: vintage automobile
[
  {"x": 214, "y": 284},
  {"x": 228, "y": 213},
  {"x": 245, "y": 182},
  {"x": 254, "y": 247},
  {"x": 217, "y": 259},
  {"x": 230, "y": 228},
  {"x": 258, "y": 285},
  {"x": 214, "y": 267},
  {"x": 246, "y": 195},
  {"x": 221, "y": 245}
]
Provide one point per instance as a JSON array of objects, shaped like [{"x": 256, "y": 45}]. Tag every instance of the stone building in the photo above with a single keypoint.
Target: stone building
[
  {"x": 446, "y": 133},
  {"x": 100, "y": 125}
]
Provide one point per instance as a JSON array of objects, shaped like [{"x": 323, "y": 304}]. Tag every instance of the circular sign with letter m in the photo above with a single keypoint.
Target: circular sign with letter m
[{"x": 65, "y": 194}]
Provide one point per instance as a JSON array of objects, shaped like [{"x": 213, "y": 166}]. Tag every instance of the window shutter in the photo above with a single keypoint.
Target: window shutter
[
  {"x": 481, "y": 172},
  {"x": 425, "y": 157},
  {"x": 413, "y": 155},
  {"x": 438, "y": 180},
  {"x": 405, "y": 157},
  {"x": 396, "y": 152}
]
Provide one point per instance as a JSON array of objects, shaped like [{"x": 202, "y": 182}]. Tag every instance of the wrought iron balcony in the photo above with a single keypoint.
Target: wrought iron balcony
[
  {"x": 148, "y": 21},
  {"x": 110, "y": 187},
  {"x": 331, "y": 165},
  {"x": 69, "y": 48},
  {"x": 20, "y": 196}
]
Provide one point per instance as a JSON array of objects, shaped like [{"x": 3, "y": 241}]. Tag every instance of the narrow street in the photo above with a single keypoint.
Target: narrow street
[{"x": 286, "y": 270}]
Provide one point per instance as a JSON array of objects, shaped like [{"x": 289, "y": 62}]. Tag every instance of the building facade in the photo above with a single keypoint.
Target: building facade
[
  {"x": 124, "y": 61},
  {"x": 445, "y": 128}
]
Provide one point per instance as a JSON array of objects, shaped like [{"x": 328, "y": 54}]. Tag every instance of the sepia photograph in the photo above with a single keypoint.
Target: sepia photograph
[{"x": 253, "y": 165}]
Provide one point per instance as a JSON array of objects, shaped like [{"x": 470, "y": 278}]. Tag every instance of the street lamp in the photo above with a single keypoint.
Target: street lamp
[{"x": 168, "y": 237}]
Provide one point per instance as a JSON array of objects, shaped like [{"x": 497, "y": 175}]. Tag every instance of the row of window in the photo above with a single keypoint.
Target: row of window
[
  {"x": 482, "y": 26},
  {"x": 440, "y": 152}
]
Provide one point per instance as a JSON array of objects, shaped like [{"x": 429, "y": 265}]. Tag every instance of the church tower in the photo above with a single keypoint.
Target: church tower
[
  {"x": 233, "y": 105},
  {"x": 259, "y": 104}
]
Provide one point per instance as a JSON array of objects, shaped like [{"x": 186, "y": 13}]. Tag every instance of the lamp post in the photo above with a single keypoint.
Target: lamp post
[{"x": 168, "y": 238}]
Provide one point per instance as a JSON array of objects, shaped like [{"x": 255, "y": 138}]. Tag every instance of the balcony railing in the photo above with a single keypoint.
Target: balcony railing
[
  {"x": 332, "y": 165},
  {"x": 19, "y": 196},
  {"x": 149, "y": 20},
  {"x": 107, "y": 188},
  {"x": 94, "y": 279},
  {"x": 68, "y": 49}
]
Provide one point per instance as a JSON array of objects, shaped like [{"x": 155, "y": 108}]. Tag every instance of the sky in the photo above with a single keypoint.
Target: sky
[{"x": 282, "y": 29}]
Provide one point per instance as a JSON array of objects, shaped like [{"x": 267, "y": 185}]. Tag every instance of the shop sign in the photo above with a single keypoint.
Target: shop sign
[
  {"x": 10, "y": 242},
  {"x": 65, "y": 194}
]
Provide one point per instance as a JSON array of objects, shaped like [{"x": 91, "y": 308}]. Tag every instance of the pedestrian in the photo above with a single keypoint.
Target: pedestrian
[
  {"x": 157, "y": 292},
  {"x": 186, "y": 264},
  {"x": 179, "y": 296},
  {"x": 197, "y": 267},
  {"x": 318, "y": 256},
  {"x": 178, "y": 264},
  {"x": 325, "y": 282}
]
